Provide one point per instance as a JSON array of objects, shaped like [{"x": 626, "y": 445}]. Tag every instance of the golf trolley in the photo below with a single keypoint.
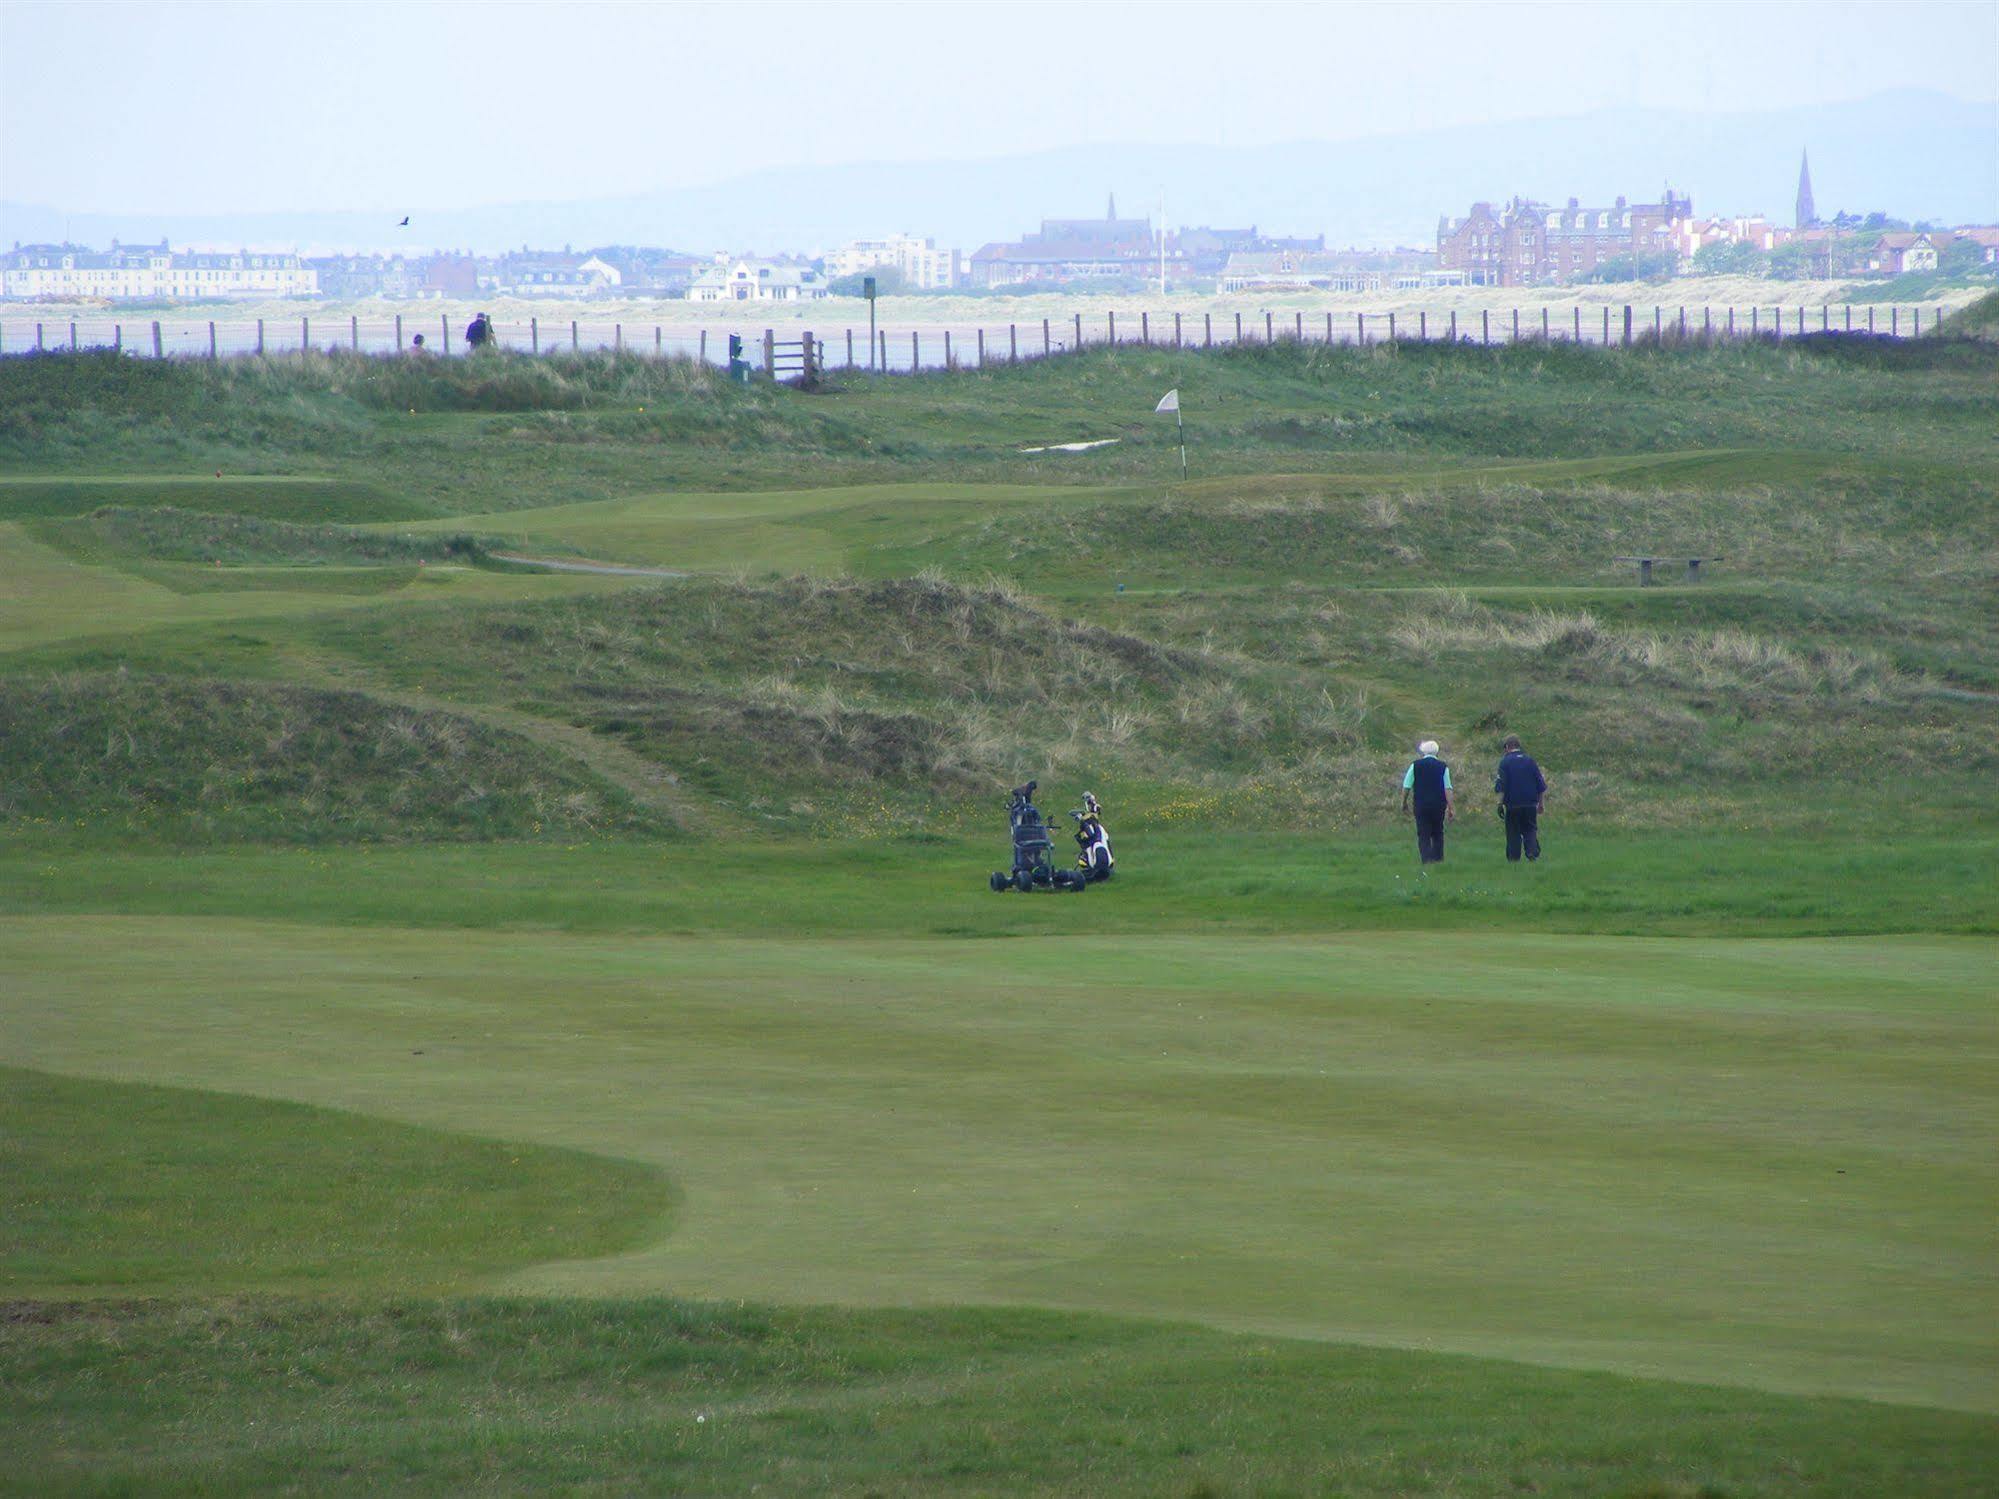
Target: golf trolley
[{"x": 1033, "y": 850}]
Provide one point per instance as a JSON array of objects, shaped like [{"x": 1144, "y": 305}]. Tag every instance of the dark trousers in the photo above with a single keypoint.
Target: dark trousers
[
  {"x": 1523, "y": 833},
  {"x": 1430, "y": 834}
]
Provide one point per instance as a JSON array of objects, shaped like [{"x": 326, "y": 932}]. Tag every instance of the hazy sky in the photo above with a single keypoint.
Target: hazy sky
[{"x": 152, "y": 105}]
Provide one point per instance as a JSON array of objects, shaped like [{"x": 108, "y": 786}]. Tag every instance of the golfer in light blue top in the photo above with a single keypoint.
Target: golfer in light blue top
[{"x": 1427, "y": 784}]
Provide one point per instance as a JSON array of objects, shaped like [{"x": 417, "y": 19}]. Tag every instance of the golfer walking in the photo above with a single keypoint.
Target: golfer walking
[
  {"x": 1523, "y": 790},
  {"x": 1427, "y": 790}
]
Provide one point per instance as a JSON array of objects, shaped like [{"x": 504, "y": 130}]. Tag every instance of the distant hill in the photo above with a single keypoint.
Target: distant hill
[{"x": 1913, "y": 153}]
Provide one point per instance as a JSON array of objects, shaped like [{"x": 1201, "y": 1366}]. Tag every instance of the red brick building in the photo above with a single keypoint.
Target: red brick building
[{"x": 1530, "y": 244}]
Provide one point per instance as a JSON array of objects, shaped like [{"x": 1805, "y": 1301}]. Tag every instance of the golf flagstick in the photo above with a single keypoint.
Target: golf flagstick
[{"x": 1171, "y": 402}]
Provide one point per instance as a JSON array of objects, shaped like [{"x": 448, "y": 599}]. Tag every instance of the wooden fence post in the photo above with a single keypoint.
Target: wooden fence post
[
  {"x": 1145, "y": 329},
  {"x": 1627, "y": 325},
  {"x": 1360, "y": 329},
  {"x": 703, "y": 345},
  {"x": 1707, "y": 321},
  {"x": 1849, "y": 317},
  {"x": 1917, "y": 314},
  {"x": 1754, "y": 314},
  {"x": 1577, "y": 335},
  {"x": 1079, "y": 333},
  {"x": 1825, "y": 317},
  {"x": 915, "y": 353},
  {"x": 1012, "y": 344},
  {"x": 1683, "y": 322},
  {"x": 118, "y": 337},
  {"x": 1423, "y": 326},
  {"x": 260, "y": 338},
  {"x": 444, "y": 332},
  {"x": 1207, "y": 330},
  {"x": 850, "y": 348},
  {"x": 575, "y": 338},
  {"x": 1454, "y": 325},
  {"x": 1658, "y": 323},
  {"x": 1269, "y": 329},
  {"x": 1238, "y": 327},
  {"x": 1606, "y": 325},
  {"x": 354, "y": 334},
  {"x": 158, "y": 352},
  {"x": 1516, "y": 325},
  {"x": 1484, "y": 326},
  {"x": 1731, "y": 321},
  {"x": 617, "y": 338},
  {"x": 1801, "y": 320},
  {"x": 1298, "y": 326},
  {"x": 770, "y": 353},
  {"x": 1047, "y": 339},
  {"x": 1894, "y": 325},
  {"x": 534, "y": 334},
  {"x": 304, "y": 335},
  {"x": 1391, "y": 327},
  {"x": 38, "y": 338},
  {"x": 948, "y": 364},
  {"x": 1544, "y": 324},
  {"x": 1111, "y": 324},
  {"x": 658, "y": 341},
  {"x": 982, "y": 348},
  {"x": 1176, "y": 330},
  {"x": 884, "y": 351},
  {"x": 1329, "y": 328},
  {"x": 399, "y": 333},
  {"x": 72, "y": 338}
]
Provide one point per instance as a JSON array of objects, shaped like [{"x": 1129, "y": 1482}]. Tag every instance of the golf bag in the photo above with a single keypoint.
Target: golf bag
[
  {"x": 1093, "y": 841},
  {"x": 1033, "y": 849}
]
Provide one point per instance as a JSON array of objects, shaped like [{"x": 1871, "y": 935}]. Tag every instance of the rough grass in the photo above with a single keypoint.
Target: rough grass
[
  {"x": 514, "y": 431},
  {"x": 192, "y": 759},
  {"x": 171, "y": 534},
  {"x": 518, "y": 1397},
  {"x": 813, "y": 702}
]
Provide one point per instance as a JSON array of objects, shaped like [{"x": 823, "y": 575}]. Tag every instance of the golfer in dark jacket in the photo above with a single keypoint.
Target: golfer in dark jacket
[
  {"x": 1522, "y": 790},
  {"x": 1426, "y": 788}
]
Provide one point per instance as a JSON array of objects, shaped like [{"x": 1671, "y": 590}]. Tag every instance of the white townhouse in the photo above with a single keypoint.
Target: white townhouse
[{"x": 149, "y": 272}]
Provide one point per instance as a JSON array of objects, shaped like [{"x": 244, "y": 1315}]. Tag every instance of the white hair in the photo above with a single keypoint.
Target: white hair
[{"x": 1427, "y": 747}]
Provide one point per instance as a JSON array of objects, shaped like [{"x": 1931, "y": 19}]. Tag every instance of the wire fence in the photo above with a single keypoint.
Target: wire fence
[{"x": 964, "y": 346}]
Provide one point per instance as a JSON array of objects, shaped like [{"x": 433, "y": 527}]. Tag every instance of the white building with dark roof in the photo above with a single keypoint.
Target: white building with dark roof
[{"x": 757, "y": 281}]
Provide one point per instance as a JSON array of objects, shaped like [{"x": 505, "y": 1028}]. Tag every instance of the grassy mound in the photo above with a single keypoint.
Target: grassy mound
[
  {"x": 302, "y": 499},
  {"x": 513, "y": 431},
  {"x": 1250, "y": 530},
  {"x": 765, "y": 692},
  {"x": 478, "y": 1397},
  {"x": 201, "y": 760},
  {"x": 118, "y": 1188},
  {"x": 920, "y": 698},
  {"x": 1979, "y": 320},
  {"x": 171, "y": 534}
]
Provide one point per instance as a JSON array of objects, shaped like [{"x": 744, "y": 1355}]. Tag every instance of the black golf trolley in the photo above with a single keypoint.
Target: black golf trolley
[{"x": 1033, "y": 850}]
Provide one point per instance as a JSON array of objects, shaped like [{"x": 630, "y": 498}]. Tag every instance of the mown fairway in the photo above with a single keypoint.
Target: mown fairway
[{"x": 702, "y": 1121}]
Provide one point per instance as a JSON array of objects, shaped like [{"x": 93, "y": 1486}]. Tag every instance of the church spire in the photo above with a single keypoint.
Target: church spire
[{"x": 1807, "y": 211}]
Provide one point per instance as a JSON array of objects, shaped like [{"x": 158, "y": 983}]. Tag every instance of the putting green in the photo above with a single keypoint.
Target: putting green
[{"x": 1764, "y": 1163}]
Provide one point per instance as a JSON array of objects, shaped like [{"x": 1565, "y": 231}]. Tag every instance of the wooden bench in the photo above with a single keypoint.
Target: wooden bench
[{"x": 1645, "y": 567}]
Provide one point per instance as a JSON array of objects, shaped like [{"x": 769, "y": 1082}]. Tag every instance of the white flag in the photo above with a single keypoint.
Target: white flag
[{"x": 1168, "y": 402}]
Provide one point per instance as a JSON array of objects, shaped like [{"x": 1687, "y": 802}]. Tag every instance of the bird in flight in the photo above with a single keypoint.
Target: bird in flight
[{"x": 405, "y": 223}]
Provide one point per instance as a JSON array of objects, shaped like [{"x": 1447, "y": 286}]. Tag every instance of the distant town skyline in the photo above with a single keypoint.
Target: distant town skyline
[{"x": 419, "y": 108}]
